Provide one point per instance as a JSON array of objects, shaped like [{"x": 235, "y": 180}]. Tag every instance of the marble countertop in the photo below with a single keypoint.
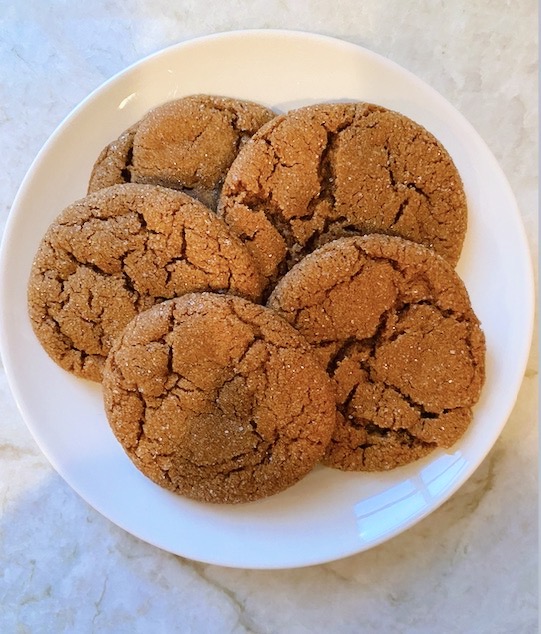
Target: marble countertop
[{"x": 472, "y": 565}]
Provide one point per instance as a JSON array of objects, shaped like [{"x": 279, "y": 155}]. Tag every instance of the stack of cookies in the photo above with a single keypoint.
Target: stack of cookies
[{"x": 258, "y": 294}]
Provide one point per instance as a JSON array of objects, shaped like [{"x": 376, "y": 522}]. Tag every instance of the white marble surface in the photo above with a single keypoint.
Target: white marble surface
[{"x": 469, "y": 567}]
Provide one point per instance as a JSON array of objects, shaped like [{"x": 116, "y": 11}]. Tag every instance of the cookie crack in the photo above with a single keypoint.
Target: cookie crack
[
  {"x": 68, "y": 341},
  {"x": 446, "y": 313},
  {"x": 241, "y": 135},
  {"x": 257, "y": 331},
  {"x": 400, "y": 212},
  {"x": 263, "y": 448},
  {"x": 126, "y": 171},
  {"x": 345, "y": 348},
  {"x": 343, "y": 406},
  {"x": 388, "y": 165},
  {"x": 97, "y": 270},
  {"x": 369, "y": 346},
  {"x": 398, "y": 185},
  {"x": 326, "y": 194},
  {"x": 419, "y": 190},
  {"x": 374, "y": 430},
  {"x": 326, "y": 175}
]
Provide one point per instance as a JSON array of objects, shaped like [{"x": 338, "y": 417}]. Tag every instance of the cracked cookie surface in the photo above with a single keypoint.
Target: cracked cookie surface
[
  {"x": 118, "y": 251},
  {"x": 327, "y": 171},
  {"x": 186, "y": 144},
  {"x": 393, "y": 325},
  {"x": 218, "y": 399}
]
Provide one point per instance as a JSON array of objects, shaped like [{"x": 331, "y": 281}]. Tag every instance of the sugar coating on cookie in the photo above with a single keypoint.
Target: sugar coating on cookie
[
  {"x": 393, "y": 325},
  {"x": 118, "y": 251},
  {"x": 331, "y": 170},
  {"x": 186, "y": 144},
  {"x": 218, "y": 399},
  {"x": 112, "y": 166}
]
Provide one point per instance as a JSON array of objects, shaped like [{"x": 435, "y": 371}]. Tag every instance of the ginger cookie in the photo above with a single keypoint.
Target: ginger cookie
[
  {"x": 112, "y": 166},
  {"x": 119, "y": 251},
  {"x": 186, "y": 144},
  {"x": 331, "y": 170},
  {"x": 392, "y": 323},
  {"x": 218, "y": 399}
]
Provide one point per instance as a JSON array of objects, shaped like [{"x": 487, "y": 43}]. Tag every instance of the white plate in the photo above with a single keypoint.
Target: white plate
[{"x": 329, "y": 514}]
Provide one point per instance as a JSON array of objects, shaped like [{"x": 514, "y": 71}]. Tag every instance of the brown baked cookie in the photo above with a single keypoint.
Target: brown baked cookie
[
  {"x": 218, "y": 399},
  {"x": 393, "y": 325},
  {"x": 113, "y": 164},
  {"x": 119, "y": 251},
  {"x": 187, "y": 144},
  {"x": 331, "y": 170}
]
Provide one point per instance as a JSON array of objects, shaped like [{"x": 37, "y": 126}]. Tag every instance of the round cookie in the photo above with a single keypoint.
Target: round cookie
[
  {"x": 186, "y": 144},
  {"x": 218, "y": 399},
  {"x": 119, "y": 251},
  {"x": 331, "y": 170},
  {"x": 392, "y": 323}
]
